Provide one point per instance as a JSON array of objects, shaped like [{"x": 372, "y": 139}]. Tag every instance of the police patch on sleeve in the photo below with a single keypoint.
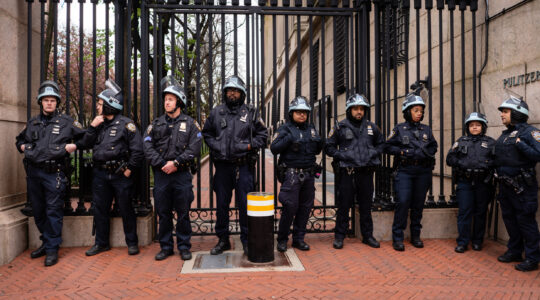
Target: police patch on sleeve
[
  {"x": 391, "y": 134},
  {"x": 262, "y": 122},
  {"x": 77, "y": 124},
  {"x": 197, "y": 125},
  {"x": 275, "y": 136},
  {"x": 131, "y": 127},
  {"x": 455, "y": 145},
  {"x": 536, "y": 135},
  {"x": 149, "y": 129},
  {"x": 331, "y": 132}
]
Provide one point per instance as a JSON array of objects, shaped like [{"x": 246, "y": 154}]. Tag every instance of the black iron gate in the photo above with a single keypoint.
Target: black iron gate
[{"x": 325, "y": 50}]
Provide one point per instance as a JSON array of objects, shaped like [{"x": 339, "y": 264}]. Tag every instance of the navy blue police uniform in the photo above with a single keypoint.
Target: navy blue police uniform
[
  {"x": 518, "y": 188},
  {"x": 47, "y": 162},
  {"x": 472, "y": 158},
  {"x": 228, "y": 131},
  {"x": 297, "y": 145},
  {"x": 178, "y": 140},
  {"x": 414, "y": 147},
  {"x": 117, "y": 147},
  {"x": 355, "y": 147}
]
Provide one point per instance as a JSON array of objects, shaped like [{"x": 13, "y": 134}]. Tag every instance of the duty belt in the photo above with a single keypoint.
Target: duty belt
[
  {"x": 51, "y": 166},
  {"x": 111, "y": 166},
  {"x": 416, "y": 162},
  {"x": 356, "y": 170}
]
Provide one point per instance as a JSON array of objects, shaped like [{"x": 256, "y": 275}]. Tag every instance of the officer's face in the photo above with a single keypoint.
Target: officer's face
[
  {"x": 233, "y": 94},
  {"x": 170, "y": 103},
  {"x": 99, "y": 107},
  {"x": 49, "y": 104},
  {"x": 505, "y": 116},
  {"x": 417, "y": 112},
  {"x": 357, "y": 112},
  {"x": 300, "y": 116},
  {"x": 475, "y": 127}
]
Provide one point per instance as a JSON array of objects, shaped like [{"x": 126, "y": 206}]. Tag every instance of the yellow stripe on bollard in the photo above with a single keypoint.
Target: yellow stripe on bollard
[
  {"x": 260, "y": 204},
  {"x": 261, "y": 208}
]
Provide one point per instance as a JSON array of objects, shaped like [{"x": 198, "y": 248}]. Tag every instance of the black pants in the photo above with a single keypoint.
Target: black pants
[
  {"x": 359, "y": 186},
  {"x": 519, "y": 216},
  {"x": 46, "y": 192},
  {"x": 106, "y": 187},
  {"x": 173, "y": 191},
  {"x": 297, "y": 197},
  {"x": 473, "y": 202}
]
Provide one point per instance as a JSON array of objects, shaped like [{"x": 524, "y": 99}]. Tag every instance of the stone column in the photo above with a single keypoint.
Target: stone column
[{"x": 13, "y": 104}]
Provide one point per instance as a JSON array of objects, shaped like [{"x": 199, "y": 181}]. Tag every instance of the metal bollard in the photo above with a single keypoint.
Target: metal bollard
[{"x": 260, "y": 211}]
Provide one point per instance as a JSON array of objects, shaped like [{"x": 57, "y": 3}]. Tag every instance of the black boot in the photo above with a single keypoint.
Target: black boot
[
  {"x": 51, "y": 259},
  {"x": 222, "y": 245},
  {"x": 96, "y": 249},
  {"x": 39, "y": 252}
]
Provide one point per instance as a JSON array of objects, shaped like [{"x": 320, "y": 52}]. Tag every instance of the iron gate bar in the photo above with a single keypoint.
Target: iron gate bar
[
  {"x": 127, "y": 59},
  {"x": 451, "y": 8},
  {"x": 145, "y": 105},
  {"x": 94, "y": 62},
  {"x": 440, "y": 7},
  {"x": 107, "y": 39},
  {"x": 287, "y": 98},
  {"x": 474, "y": 8},
  {"x": 462, "y": 7},
  {"x": 248, "y": 82},
  {"x": 429, "y": 7},
  {"x": 41, "y": 42},
  {"x": 298, "y": 90},
  {"x": 198, "y": 87},
  {"x": 235, "y": 38},
  {"x": 275, "y": 112},
  {"x": 323, "y": 113},
  {"x": 68, "y": 52},
  {"x": 55, "y": 33},
  {"x": 210, "y": 104}
]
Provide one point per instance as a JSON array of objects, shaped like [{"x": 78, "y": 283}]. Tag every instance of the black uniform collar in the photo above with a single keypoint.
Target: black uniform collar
[
  {"x": 108, "y": 122},
  {"x": 174, "y": 120},
  {"x": 300, "y": 126},
  {"x": 47, "y": 118},
  {"x": 414, "y": 124}
]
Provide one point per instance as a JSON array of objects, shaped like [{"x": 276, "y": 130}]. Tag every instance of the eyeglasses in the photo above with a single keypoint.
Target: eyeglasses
[{"x": 233, "y": 90}]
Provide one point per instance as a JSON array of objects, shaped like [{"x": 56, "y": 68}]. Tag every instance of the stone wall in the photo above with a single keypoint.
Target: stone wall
[{"x": 13, "y": 103}]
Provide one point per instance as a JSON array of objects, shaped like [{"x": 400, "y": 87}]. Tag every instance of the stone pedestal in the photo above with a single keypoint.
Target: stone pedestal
[
  {"x": 439, "y": 223},
  {"x": 13, "y": 234},
  {"x": 77, "y": 232}
]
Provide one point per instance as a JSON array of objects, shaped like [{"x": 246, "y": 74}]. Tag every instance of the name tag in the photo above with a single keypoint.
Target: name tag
[
  {"x": 369, "y": 130},
  {"x": 113, "y": 132},
  {"x": 514, "y": 133},
  {"x": 484, "y": 144}
]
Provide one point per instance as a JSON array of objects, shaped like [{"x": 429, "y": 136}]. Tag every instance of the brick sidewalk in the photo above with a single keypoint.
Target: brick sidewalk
[{"x": 357, "y": 271}]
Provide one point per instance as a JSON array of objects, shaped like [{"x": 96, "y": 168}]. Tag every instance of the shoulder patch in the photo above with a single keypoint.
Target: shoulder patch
[
  {"x": 455, "y": 145},
  {"x": 536, "y": 135},
  {"x": 197, "y": 125},
  {"x": 262, "y": 122},
  {"x": 77, "y": 124},
  {"x": 331, "y": 132},
  {"x": 131, "y": 127},
  {"x": 391, "y": 134},
  {"x": 149, "y": 129},
  {"x": 275, "y": 136}
]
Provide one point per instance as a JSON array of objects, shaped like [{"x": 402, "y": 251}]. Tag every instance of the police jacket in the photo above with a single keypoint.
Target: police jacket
[
  {"x": 355, "y": 145},
  {"x": 168, "y": 139},
  {"x": 118, "y": 139},
  {"x": 297, "y": 144},
  {"x": 45, "y": 137},
  {"x": 472, "y": 152},
  {"x": 229, "y": 131},
  {"x": 411, "y": 141},
  {"x": 511, "y": 156}
]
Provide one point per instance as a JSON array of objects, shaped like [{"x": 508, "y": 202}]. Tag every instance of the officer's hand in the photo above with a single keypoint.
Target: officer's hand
[
  {"x": 249, "y": 147},
  {"x": 70, "y": 148},
  {"x": 127, "y": 172},
  {"x": 169, "y": 167},
  {"x": 97, "y": 121},
  {"x": 518, "y": 140},
  {"x": 22, "y": 147}
]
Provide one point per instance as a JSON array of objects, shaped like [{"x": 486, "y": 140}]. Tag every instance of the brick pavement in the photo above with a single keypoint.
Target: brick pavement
[{"x": 357, "y": 271}]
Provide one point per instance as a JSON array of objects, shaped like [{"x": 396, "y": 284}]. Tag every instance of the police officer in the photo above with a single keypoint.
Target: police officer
[
  {"x": 297, "y": 143},
  {"x": 414, "y": 148},
  {"x": 234, "y": 135},
  {"x": 117, "y": 151},
  {"x": 171, "y": 144},
  {"x": 355, "y": 144},
  {"x": 472, "y": 157},
  {"x": 47, "y": 141},
  {"x": 516, "y": 153}
]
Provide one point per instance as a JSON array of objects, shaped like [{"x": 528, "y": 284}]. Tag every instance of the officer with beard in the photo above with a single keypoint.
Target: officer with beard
[
  {"x": 297, "y": 143},
  {"x": 117, "y": 151},
  {"x": 171, "y": 144},
  {"x": 47, "y": 141},
  {"x": 355, "y": 144},
  {"x": 234, "y": 135},
  {"x": 516, "y": 153}
]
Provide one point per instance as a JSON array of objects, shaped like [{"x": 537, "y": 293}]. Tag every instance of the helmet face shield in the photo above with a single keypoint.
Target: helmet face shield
[
  {"x": 515, "y": 104},
  {"x": 170, "y": 85},
  {"x": 234, "y": 82},
  {"x": 48, "y": 88},
  {"x": 299, "y": 103},
  {"x": 412, "y": 100},
  {"x": 357, "y": 100}
]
